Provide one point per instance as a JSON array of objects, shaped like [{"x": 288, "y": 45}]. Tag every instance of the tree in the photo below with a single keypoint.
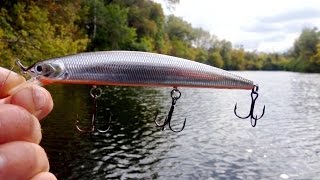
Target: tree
[
  {"x": 203, "y": 39},
  {"x": 254, "y": 60},
  {"x": 108, "y": 26},
  {"x": 306, "y": 44},
  {"x": 147, "y": 18},
  {"x": 237, "y": 59},
  {"x": 315, "y": 60},
  {"x": 225, "y": 52},
  {"x": 28, "y": 33},
  {"x": 305, "y": 50},
  {"x": 201, "y": 55},
  {"x": 178, "y": 29},
  {"x": 170, "y": 4},
  {"x": 215, "y": 59}
]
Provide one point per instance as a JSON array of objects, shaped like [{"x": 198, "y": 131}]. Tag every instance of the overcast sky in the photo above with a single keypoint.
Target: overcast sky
[{"x": 263, "y": 25}]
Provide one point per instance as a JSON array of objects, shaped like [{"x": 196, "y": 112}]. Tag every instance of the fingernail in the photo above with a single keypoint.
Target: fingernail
[{"x": 39, "y": 98}]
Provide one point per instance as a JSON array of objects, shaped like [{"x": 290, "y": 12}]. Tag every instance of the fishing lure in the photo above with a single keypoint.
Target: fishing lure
[{"x": 132, "y": 68}]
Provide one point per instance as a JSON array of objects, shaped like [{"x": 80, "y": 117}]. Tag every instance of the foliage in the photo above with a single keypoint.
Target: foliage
[
  {"x": 30, "y": 32},
  {"x": 215, "y": 59},
  {"x": 103, "y": 37},
  {"x": 306, "y": 51},
  {"x": 34, "y": 30}
]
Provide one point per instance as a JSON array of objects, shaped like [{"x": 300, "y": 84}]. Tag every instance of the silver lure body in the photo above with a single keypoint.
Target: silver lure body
[{"x": 132, "y": 68}]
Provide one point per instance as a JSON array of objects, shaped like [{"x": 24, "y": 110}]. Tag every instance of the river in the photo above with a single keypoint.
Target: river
[{"x": 215, "y": 144}]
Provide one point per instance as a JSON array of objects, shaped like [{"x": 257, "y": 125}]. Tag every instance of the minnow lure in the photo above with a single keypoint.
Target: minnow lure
[{"x": 132, "y": 68}]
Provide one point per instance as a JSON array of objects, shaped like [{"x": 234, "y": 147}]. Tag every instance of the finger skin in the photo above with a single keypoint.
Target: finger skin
[
  {"x": 20, "y": 155},
  {"x": 44, "y": 176},
  {"x": 17, "y": 124},
  {"x": 13, "y": 80},
  {"x": 35, "y": 99},
  {"x": 22, "y": 160}
]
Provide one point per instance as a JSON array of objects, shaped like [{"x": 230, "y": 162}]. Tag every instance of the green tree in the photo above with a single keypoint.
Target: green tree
[
  {"x": 180, "y": 34},
  {"x": 305, "y": 50},
  {"x": 28, "y": 33},
  {"x": 108, "y": 26},
  {"x": 215, "y": 59},
  {"x": 254, "y": 60},
  {"x": 201, "y": 55},
  {"x": 181, "y": 49},
  {"x": 225, "y": 52},
  {"x": 237, "y": 59},
  {"x": 178, "y": 29},
  {"x": 203, "y": 39},
  {"x": 147, "y": 18},
  {"x": 315, "y": 60}
]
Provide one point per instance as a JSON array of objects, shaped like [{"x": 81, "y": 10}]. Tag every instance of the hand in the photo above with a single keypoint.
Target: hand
[{"x": 21, "y": 157}]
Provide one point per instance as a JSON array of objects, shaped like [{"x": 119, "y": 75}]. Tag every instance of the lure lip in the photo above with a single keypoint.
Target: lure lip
[{"x": 24, "y": 68}]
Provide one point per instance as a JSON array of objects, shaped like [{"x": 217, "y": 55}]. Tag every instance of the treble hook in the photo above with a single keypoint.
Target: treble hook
[
  {"x": 175, "y": 95},
  {"x": 95, "y": 93},
  {"x": 254, "y": 120}
]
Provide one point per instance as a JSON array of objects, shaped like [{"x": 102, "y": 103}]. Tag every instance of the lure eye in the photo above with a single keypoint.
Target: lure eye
[
  {"x": 39, "y": 69},
  {"x": 47, "y": 69},
  {"x": 42, "y": 69}
]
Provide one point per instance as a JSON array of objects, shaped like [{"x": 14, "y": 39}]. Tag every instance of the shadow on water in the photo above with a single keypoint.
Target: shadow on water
[{"x": 125, "y": 149}]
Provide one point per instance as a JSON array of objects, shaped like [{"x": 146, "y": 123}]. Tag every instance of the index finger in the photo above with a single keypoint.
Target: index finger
[{"x": 8, "y": 80}]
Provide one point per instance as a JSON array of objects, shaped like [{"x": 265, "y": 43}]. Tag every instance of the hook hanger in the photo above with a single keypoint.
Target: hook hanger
[
  {"x": 175, "y": 95},
  {"x": 95, "y": 93},
  {"x": 254, "y": 96}
]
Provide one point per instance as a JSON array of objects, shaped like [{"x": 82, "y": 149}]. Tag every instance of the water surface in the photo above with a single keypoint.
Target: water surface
[{"x": 214, "y": 145}]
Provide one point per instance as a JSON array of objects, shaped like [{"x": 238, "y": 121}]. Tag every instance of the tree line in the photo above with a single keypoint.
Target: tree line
[{"x": 35, "y": 30}]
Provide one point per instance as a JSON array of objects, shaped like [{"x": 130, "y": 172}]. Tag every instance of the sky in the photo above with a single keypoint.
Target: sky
[{"x": 261, "y": 25}]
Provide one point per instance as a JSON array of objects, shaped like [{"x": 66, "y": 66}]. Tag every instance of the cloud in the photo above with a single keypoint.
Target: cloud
[
  {"x": 275, "y": 37},
  {"x": 260, "y": 27},
  {"x": 277, "y": 46},
  {"x": 290, "y": 21},
  {"x": 255, "y": 43},
  {"x": 248, "y": 44},
  {"x": 293, "y": 15},
  {"x": 278, "y": 32},
  {"x": 285, "y": 27},
  {"x": 266, "y": 25}
]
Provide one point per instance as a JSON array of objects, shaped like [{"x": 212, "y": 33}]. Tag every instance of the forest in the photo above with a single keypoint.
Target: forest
[{"x": 35, "y": 30}]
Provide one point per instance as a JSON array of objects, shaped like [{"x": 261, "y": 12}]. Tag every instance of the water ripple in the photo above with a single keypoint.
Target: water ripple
[{"x": 215, "y": 144}]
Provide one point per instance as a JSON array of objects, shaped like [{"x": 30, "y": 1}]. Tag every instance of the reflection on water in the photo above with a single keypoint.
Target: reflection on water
[{"x": 284, "y": 144}]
